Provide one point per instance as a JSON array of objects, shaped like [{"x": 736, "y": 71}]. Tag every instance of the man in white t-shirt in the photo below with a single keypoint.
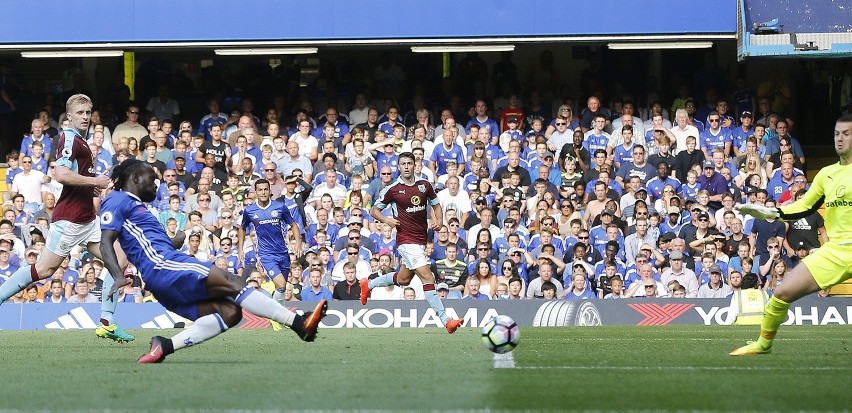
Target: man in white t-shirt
[
  {"x": 28, "y": 183},
  {"x": 454, "y": 197}
]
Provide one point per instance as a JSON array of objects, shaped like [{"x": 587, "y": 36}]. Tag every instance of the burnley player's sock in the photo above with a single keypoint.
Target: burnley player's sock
[
  {"x": 259, "y": 304},
  {"x": 108, "y": 306},
  {"x": 383, "y": 280},
  {"x": 774, "y": 314},
  {"x": 203, "y": 329},
  {"x": 25, "y": 276},
  {"x": 435, "y": 302}
]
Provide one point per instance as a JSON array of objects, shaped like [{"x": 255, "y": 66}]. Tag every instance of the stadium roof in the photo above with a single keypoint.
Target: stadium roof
[
  {"x": 165, "y": 24},
  {"x": 795, "y": 28}
]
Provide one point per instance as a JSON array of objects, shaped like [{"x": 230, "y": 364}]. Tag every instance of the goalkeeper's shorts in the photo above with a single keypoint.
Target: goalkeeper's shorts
[{"x": 830, "y": 264}]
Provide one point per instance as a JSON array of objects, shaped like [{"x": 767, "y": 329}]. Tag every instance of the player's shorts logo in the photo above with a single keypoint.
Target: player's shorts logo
[
  {"x": 415, "y": 200},
  {"x": 106, "y": 218}
]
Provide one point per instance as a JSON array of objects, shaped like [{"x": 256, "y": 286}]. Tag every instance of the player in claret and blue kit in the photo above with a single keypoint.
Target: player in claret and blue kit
[
  {"x": 183, "y": 284},
  {"x": 75, "y": 221},
  {"x": 411, "y": 200}
]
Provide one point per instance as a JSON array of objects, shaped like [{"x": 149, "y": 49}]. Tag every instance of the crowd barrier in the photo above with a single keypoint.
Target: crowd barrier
[{"x": 417, "y": 314}]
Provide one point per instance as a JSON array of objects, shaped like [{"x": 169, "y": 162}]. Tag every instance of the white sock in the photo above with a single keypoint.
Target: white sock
[
  {"x": 261, "y": 305},
  {"x": 204, "y": 328},
  {"x": 278, "y": 296}
]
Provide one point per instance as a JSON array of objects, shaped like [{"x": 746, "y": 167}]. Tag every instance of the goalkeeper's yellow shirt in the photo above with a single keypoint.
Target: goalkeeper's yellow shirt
[{"x": 832, "y": 187}]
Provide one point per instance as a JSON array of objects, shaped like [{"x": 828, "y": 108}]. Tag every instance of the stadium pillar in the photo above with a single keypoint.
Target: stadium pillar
[
  {"x": 130, "y": 73},
  {"x": 656, "y": 64}
]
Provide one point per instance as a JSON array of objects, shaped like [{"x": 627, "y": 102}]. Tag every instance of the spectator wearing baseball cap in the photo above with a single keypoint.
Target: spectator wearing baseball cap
[
  {"x": 741, "y": 133},
  {"x": 511, "y": 123},
  {"x": 714, "y": 183},
  {"x": 678, "y": 271},
  {"x": 716, "y": 288}
]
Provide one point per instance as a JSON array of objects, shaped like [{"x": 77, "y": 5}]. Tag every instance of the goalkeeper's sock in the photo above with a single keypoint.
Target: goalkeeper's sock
[
  {"x": 774, "y": 314},
  {"x": 203, "y": 329}
]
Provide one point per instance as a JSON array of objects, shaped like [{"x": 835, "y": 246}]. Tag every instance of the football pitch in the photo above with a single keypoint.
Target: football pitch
[{"x": 580, "y": 368}]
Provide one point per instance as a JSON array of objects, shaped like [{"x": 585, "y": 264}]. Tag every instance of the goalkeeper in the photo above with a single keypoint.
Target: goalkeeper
[{"x": 832, "y": 263}]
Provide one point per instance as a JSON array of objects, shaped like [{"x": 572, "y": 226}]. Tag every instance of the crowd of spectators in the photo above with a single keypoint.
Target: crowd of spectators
[{"x": 599, "y": 201}]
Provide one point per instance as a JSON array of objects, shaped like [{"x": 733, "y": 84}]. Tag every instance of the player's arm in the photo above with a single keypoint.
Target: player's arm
[
  {"x": 382, "y": 201},
  {"x": 110, "y": 258},
  {"x": 297, "y": 239},
  {"x": 822, "y": 234},
  {"x": 806, "y": 205},
  {"x": 241, "y": 236},
  {"x": 65, "y": 176},
  {"x": 376, "y": 213},
  {"x": 437, "y": 216}
]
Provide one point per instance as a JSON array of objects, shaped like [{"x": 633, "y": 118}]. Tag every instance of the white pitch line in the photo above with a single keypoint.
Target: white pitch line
[
  {"x": 676, "y": 368},
  {"x": 504, "y": 361},
  {"x": 669, "y": 339}
]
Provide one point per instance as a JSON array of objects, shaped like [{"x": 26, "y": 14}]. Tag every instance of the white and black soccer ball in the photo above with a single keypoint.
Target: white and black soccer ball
[{"x": 501, "y": 334}]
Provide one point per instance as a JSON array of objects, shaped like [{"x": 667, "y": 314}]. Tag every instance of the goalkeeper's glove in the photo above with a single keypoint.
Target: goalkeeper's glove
[{"x": 758, "y": 211}]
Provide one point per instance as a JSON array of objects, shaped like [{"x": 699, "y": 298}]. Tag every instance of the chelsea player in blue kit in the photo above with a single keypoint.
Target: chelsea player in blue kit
[
  {"x": 271, "y": 220},
  {"x": 184, "y": 285}
]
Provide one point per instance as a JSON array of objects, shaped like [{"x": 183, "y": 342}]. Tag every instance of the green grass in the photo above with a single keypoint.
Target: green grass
[{"x": 603, "y": 368}]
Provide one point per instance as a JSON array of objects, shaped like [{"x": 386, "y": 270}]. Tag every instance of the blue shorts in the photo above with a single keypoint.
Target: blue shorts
[
  {"x": 276, "y": 264},
  {"x": 180, "y": 290}
]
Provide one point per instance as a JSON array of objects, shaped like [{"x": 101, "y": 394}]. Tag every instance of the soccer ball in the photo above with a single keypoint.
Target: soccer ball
[{"x": 500, "y": 334}]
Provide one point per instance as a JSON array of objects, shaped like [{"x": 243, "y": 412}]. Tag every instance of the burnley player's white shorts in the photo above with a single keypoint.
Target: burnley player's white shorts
[
  {"x": 64, "y": 235},
  {"x": 413, "y": 256}
]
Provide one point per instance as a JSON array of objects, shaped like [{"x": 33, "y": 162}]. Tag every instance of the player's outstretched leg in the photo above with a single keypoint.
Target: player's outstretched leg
[
  {"x": 204, "y": 328},
  {"x": 797, "y": 283},
  {"x": 367, "y": 285},
  {"x": 773, "y": 315},
  {"x": 108, "y": 328},
  {"x": 305, "y": 326},
  {"x": 21, "y": 278},
  {"x": 452, "y": 324}
]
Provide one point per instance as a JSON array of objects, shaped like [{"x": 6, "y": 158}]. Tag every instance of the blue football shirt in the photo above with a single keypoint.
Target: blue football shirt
[{"x": 271, "y": 225}]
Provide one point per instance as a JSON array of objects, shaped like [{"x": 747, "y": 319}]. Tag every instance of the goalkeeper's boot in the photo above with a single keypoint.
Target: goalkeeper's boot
[
  {"x": 306, "y": 325},
  {"x": 160, "y": 348},
  {"x": 750, "y": 349},
  {"x": 114, "y": 333}
]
